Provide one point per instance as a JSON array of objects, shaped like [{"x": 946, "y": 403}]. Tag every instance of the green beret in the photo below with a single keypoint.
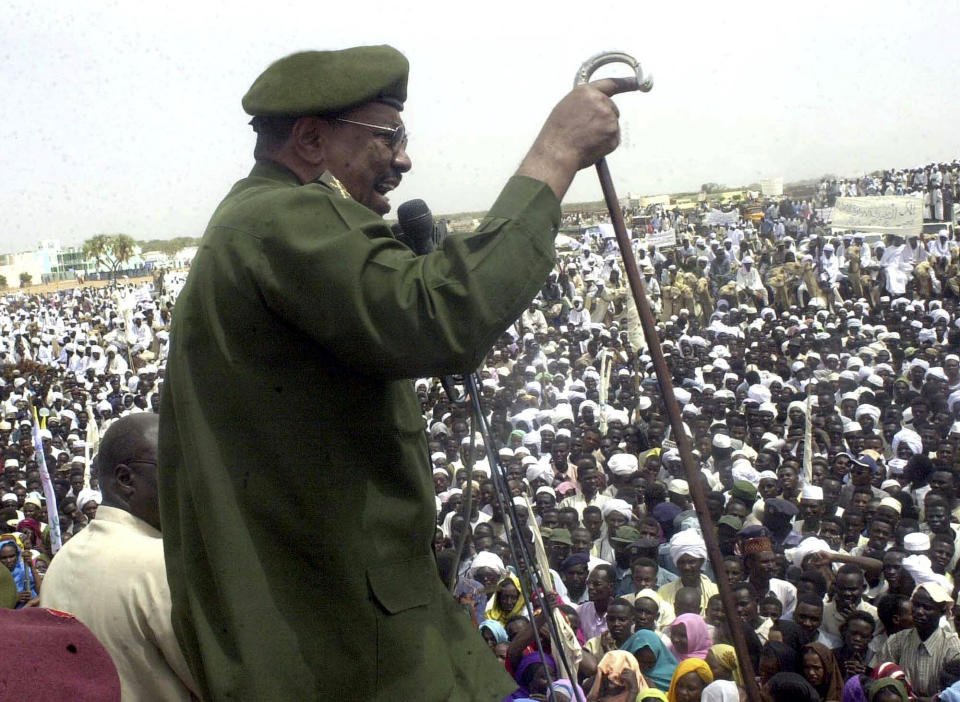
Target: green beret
[
  {"x": 560, "y": 535},
  {"x": 744, "y": 490},
  {"x": 730, "y": 521},
  {"x": 627, "y": 535},
  {"x": 323, "y": 82}
]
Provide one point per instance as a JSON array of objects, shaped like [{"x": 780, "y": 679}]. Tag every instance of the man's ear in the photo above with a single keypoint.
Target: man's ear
[
  {"x": 308, "y": 138},
  {"x": 123, "y": 477}
]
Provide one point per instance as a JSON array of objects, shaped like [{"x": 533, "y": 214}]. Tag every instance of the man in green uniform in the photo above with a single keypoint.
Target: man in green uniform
[{"x": 296, "y": 496}]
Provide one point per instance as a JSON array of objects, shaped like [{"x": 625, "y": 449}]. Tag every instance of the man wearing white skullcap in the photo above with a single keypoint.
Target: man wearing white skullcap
[
  {"x": 811, "y": 507},
  {"x": 689, "y": 552}
]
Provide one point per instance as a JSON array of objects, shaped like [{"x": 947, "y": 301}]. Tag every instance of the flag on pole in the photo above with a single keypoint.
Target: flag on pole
[
  {"x": 92, "y": 444},
  {"x": 53, "y": 514}
]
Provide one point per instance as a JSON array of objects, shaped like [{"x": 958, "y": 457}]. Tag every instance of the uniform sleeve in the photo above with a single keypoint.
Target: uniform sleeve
[{"x": 336, "y": 274}]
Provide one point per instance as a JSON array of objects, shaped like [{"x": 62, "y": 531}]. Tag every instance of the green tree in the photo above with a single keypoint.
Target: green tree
[
  {"x": 169, "y": 247},
  {"x": 110, "y": 251},
  {"x": 3, "y": 282},
  {"x": 25, "y": 279}
]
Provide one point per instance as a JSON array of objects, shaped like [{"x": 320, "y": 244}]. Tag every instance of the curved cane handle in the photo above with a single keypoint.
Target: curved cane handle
[{"x": 644, "y": 84}]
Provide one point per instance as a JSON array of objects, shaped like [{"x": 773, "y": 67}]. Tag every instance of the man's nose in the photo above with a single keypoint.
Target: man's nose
[{"x": 401, "y": 160}]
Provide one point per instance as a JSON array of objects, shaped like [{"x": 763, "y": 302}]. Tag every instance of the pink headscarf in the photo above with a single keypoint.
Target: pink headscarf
[{"x": 698, "y": 637}]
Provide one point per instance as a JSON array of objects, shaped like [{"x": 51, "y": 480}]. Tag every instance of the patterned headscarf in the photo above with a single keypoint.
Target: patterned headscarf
[
  {"x": 726, "y": 655},
  {"x": 892, "y": 670}
]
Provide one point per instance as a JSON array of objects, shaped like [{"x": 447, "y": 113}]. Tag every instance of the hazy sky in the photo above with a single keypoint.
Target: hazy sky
[{"x": 126, "y": 117}]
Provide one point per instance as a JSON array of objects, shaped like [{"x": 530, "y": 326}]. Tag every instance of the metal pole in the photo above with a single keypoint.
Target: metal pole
[{"x": 649, "y": 327}]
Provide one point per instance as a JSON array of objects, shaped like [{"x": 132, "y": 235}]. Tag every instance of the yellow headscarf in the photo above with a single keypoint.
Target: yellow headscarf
[
  {"x": 652, "y": 693},
  {"x": 727, "y": 655},
  {"x": 493, "y": 609},
  {"x": 690, "y": 665}
]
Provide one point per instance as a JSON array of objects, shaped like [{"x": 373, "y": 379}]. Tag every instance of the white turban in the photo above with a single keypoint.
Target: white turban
[
  {"x": 539, "y": 471},
  {"x": 688, "y": 542},
  {"x": 87, "y": 495},
  {"x": 486, "y": 559},
  {"x": 615, "y": 505},
  {"x": 910, "y": 438},
  {"x": 806, "y": 547},
  {"x": 870, "y": 411},
  {"x": 921, "y": 570},
  {"x": 622, "y": 464},
  {"x": 744, "y": 470},
  {"x": 759, "y": 394}
]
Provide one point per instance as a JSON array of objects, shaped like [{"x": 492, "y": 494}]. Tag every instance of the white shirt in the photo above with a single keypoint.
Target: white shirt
[
  {"x": 749, "y": 279},
  {"x": 111, "y": 576}
]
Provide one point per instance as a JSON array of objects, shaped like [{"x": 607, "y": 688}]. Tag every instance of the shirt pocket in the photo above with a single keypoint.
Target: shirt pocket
[{"x": 405, "y": 592}]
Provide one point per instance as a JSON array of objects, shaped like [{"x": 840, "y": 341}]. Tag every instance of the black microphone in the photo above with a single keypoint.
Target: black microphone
[
  {"x": 422, "y": 235},
  {"x": 418, "y": 230}
]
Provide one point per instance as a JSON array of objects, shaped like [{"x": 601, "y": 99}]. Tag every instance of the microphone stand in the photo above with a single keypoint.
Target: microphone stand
[{"x": 519, "y": 551}]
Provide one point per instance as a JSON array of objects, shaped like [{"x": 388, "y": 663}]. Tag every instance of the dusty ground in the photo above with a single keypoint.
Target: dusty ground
[{"x": 71, "y": 284}]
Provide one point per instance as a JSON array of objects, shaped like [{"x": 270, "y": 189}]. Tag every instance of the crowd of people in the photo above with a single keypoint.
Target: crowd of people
[
  {"x": 819, "y": 382},
  {"x": 825, "y": 428}
]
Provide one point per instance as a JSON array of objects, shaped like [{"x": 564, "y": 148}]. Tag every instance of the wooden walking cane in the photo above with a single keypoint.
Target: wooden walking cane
[{"x": 649, "y": 326}]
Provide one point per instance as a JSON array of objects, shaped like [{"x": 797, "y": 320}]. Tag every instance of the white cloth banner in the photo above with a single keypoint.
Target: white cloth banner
[
  {"x": 902, "y": 216},
  {"x": 719, "y": 217},
  {"x": 666, "y": 239},
  {"x": 772, "y": 187}
]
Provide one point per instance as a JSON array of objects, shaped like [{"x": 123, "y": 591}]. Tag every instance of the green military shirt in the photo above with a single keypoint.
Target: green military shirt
[{"x": 295, "y": 492}]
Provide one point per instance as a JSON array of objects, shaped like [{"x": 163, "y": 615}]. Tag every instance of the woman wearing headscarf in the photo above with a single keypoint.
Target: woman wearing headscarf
[
  {"x": 821, "y": 670},
  {"x": 566, "y": 691},
  {"x": 507, "y": 601},
  {"x": 616, "y": 513},
  {"x": 689, "y": 637},
  {"x": 531, "y": 676},
  {"x": 892, "y": 670},
  {"x": 776, "y": 657},
  {"x": 887, "y": 690},
  {"x": 665, "y": 613},
  {"x": 853, "y": 689},
  {"x": 722, "y": 659},
  {"x": 689, "y": 680},
  {"x": 32, "y": 527},
  {"x": 11, "y": 556},
  {"x": 618, "y": 678},
  {"x": 790, "y": 687},
  {"x": 721, "y": 691},
  {"x": 493, "y": 632},
  {"x": 656, "y": 661}
]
